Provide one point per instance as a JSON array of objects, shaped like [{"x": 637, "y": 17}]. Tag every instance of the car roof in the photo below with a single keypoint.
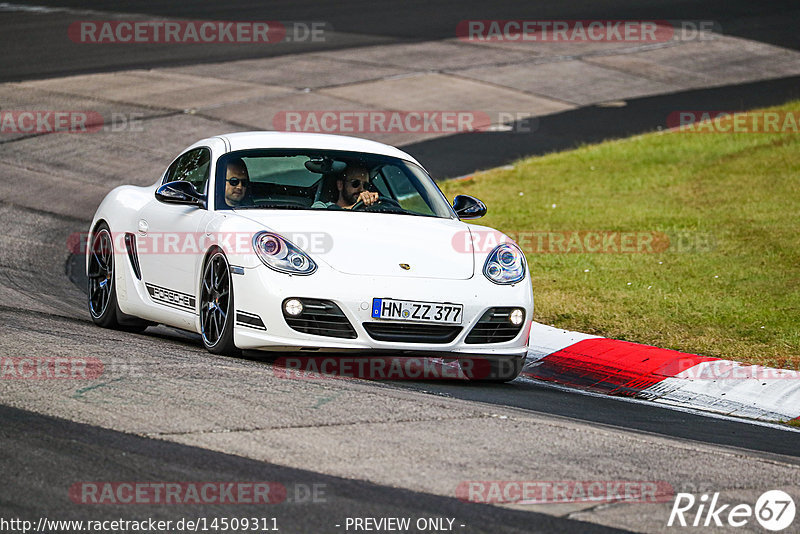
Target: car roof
[{"x": 252, "y": 140}]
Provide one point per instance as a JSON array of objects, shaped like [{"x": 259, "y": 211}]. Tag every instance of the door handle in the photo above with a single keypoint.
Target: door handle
[{"x": 143, "y": 227}]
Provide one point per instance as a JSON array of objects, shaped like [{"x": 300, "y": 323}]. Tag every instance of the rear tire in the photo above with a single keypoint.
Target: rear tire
[{"x": 216, "y": 306}]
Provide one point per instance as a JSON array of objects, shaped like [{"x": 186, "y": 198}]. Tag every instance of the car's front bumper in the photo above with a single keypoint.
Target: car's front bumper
[{"x": 260, "y": 292}]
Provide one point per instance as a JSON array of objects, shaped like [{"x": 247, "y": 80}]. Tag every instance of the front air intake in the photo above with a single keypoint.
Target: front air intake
[
  {"x": 319, "y": 318},
  {"x": 495, "y": 326},
  {"x": 412, "y": 332}
]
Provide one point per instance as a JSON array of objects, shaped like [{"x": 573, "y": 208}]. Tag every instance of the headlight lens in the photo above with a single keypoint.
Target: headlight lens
[
  {"x": 505, "y": 265},
  {"x": 279, "y": 254}
]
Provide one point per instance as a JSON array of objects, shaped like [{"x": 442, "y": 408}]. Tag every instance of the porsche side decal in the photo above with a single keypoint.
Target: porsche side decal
[{"x": 169, "y": 297}]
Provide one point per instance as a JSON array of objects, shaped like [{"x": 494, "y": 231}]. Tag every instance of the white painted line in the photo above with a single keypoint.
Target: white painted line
[
  {"x": 7, "y": 7},
  {"x": 675, "y": 407},
  {"x": 731, "y": 388}
]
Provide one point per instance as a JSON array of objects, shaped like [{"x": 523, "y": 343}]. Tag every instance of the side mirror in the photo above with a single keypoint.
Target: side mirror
[
  {"x": 467, "y": 207},
  {"x": 180, "y": 192}
]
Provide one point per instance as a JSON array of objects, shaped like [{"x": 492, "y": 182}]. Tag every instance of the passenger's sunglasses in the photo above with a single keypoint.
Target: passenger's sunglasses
[
  {"x": 236, "y": 181},
  {"x": 357, "y": 183}
]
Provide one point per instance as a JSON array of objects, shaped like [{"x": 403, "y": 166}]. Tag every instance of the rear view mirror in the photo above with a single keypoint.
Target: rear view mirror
[{"x": 325, "y": 165}]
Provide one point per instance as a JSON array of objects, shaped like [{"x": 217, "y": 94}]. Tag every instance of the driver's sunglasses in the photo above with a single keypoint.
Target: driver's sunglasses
[
  {"x": 356, "y": 183},
  {"x": 236, "y": 181}
]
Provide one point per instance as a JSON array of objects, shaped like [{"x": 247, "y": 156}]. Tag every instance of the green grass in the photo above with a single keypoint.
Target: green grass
[{"x": 735, "y": 197}]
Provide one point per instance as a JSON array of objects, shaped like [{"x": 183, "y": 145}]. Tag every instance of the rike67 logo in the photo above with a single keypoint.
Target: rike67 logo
[{"x": 774, "y": 510}]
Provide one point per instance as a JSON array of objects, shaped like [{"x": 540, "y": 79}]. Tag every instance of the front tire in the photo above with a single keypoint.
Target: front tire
[
  {"x": 102, "y": 288},
  {"x": 100, "y": 274},
  {"x": 216, "y": 306}
]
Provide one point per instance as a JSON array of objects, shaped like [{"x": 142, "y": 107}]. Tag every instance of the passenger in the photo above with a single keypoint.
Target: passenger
[{"x": 237, "y": 182}]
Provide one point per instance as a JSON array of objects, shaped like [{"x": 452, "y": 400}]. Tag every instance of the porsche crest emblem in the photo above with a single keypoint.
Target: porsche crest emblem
[{"x": 405, "y": 266}]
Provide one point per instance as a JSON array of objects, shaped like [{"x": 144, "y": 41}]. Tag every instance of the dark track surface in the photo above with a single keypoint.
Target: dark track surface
[
  {"x": 45, "y": 456},
  {"x": 28, "y": 39},
  {"x": 637, "y": 416}
]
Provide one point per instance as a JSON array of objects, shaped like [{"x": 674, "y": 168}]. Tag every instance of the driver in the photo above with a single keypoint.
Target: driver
[
  {"x": 352, "y": 185},
  {"x": 236, "y": 183}
]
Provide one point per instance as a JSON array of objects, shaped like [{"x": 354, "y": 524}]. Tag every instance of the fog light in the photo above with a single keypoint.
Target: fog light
[
  {"x": 293, "y": 307},
  {"x": 516, "y": 317}
]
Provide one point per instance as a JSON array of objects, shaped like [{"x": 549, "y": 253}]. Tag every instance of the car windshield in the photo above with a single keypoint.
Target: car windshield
[{"x": 326, "y": 180}]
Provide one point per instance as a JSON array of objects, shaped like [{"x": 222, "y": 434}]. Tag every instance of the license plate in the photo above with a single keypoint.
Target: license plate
[{"x": 412, "y": 310}]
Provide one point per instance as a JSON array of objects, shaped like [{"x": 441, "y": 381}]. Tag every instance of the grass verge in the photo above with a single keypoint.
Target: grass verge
[{"x": 722, "y": 211}]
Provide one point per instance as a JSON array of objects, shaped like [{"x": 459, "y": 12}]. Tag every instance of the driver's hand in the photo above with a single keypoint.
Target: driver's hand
[{"x": 368, "y": 197}]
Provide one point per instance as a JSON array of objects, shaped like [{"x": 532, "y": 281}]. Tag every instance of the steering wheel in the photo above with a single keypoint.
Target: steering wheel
[{"x": 381, "y": 200}]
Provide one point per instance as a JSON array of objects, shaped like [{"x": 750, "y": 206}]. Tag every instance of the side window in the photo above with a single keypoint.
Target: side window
[{"x": 191, "y": 167}]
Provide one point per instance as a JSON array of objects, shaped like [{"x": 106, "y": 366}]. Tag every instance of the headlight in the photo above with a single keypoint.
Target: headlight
[
  {"x": 277, "y": 253},
  {"x": 505, "y": 265}
]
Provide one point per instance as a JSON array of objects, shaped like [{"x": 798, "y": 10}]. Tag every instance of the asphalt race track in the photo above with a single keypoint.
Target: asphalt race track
[
  {"x": 458, "y": 155},
  {"x": 70, "y": 452},
  {"x": 27, "y": 53},
  {"x": 166, "y": 410}
]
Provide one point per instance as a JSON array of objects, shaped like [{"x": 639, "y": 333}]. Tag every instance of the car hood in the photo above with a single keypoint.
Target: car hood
[{"x": 376, "y": 244}]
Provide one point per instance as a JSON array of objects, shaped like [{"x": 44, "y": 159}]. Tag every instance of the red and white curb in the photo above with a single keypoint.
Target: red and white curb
[{"x": 665, "y": 376}]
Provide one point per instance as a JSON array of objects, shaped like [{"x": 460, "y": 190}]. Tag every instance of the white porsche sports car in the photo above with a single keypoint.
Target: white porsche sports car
[{"x": 315, "y": 243}]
